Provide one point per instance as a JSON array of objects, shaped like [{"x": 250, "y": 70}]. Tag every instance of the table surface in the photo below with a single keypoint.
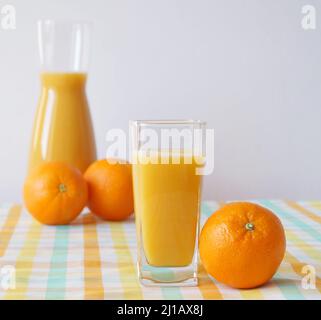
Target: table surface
[{"x": 93, "y": 259}]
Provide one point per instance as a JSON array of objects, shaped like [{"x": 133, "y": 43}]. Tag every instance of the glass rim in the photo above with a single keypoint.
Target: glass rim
[{"x": 167, "y": 122}]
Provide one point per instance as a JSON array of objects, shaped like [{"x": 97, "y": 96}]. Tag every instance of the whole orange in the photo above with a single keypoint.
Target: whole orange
[
  {"x": 110, "y": 189},
  {"x": 242, "y": 245},
  {"x": 55, "y": 193}
]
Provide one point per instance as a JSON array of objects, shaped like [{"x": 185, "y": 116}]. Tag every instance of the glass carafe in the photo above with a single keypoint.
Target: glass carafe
[{"x": 63, "y": 128}]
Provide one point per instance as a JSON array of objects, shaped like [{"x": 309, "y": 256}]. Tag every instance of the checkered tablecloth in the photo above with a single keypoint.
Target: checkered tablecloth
[{"x": 93, "y": 259}]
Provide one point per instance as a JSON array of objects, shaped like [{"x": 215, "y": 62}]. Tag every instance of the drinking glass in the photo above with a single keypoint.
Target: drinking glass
[
  {"x": 166, "y": 157},
  {"x": 63, "y": 128}
]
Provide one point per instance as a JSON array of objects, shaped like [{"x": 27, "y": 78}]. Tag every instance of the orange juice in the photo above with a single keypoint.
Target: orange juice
[
  {"x": 167, "y": 200},
  {"x": 63, "y": 129}
]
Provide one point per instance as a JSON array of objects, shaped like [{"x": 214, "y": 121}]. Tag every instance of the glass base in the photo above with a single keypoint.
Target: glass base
[{"x": 168, "y": 276}]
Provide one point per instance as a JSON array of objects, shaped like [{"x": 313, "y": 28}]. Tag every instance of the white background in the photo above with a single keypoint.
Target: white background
[{"x": 246, "y": 67}]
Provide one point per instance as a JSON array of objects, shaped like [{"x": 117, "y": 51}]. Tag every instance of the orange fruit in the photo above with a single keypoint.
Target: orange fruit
[
  {"x": 242, "y": 245},
  {"x": 55, "y": 193},
  {"x": 110, "y": 189}
]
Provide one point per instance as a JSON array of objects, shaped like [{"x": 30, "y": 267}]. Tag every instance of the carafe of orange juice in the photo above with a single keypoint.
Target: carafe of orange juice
[{"x": 63, "y": 128}]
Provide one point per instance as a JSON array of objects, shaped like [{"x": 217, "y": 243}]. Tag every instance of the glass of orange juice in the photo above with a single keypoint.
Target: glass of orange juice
[
  {"x": 63, "y": 128},
  {"x": 167, "y": 157}
]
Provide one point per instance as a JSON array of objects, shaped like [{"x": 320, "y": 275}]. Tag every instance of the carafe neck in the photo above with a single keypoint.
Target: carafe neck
[{"x": 63, "y": 80}]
